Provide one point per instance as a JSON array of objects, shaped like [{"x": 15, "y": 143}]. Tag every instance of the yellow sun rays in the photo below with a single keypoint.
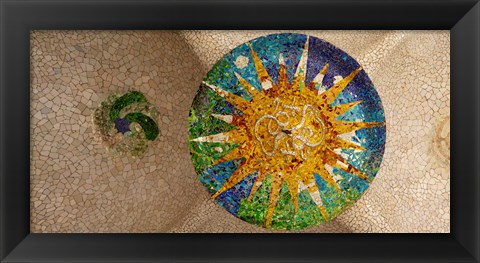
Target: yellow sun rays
[{"x": 292, "y": 136}]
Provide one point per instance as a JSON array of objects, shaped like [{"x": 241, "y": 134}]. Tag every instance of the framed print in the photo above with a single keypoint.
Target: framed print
[{"x": 228, "y": 131}]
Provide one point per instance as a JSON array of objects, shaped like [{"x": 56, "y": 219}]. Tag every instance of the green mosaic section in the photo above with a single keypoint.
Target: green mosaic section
[
  {"x": 204, "y": 154},
  {"x": 284, "y": 216},
  {"x": 149, "y": 126},
  {"x": 201, "y": 122},
  {"x": 125, "y": 100},
  {"x": 125, "y": 124}
]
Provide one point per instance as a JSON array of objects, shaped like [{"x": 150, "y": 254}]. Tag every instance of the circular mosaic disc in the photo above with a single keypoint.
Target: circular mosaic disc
[{"x": 286, "y": 131}]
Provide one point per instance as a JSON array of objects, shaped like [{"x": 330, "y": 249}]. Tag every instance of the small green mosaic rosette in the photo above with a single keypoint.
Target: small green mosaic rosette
[{"x": 126, "y": 124}]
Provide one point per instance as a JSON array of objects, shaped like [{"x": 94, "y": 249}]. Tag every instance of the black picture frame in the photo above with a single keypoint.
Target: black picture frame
[{"x": 18, "y": 17}]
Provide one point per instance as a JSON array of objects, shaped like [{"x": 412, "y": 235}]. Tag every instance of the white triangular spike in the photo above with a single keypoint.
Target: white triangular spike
[
  {"x": 350, "y": 140},
  {"x": 219, "y": 137},
  {"x": 348, "y": 136},
  {"x": 220, "y": 91},
  {"x": 239, "y": 77},
  {"x": 315, "y": 195},
  {"x": 281, "y": 60},
  {"x": 318, "y": 79},
  {"x": 321, "y": 90},
  {"x": 336, "y": 177},
  {"x": 302, "y": 65},
  {"x": 339, "y": 152},
  {"x": 225, "y": 118},
  {"x": 339, "y": 163},
  {"x": 267, "y": 84},
  {"x": 301, "y": 186},
  {"x": 336, "y": 79}
]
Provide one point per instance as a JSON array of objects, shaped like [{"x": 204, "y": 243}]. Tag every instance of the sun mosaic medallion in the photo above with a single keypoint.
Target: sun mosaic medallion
[
  {"x": 286, "y": 131},
  {"x": 126, "y": 124}
]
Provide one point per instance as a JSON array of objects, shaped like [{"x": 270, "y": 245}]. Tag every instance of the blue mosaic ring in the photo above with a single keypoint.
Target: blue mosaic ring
[{"x": 286, "y": 131}]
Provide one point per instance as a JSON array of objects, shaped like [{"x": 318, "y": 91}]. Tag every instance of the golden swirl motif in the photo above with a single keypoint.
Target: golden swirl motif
[{"x": 290, "y": 138}]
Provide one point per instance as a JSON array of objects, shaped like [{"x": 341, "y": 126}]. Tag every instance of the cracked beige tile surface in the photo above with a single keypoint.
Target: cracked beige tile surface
[{"x": 77, "y": 187}]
